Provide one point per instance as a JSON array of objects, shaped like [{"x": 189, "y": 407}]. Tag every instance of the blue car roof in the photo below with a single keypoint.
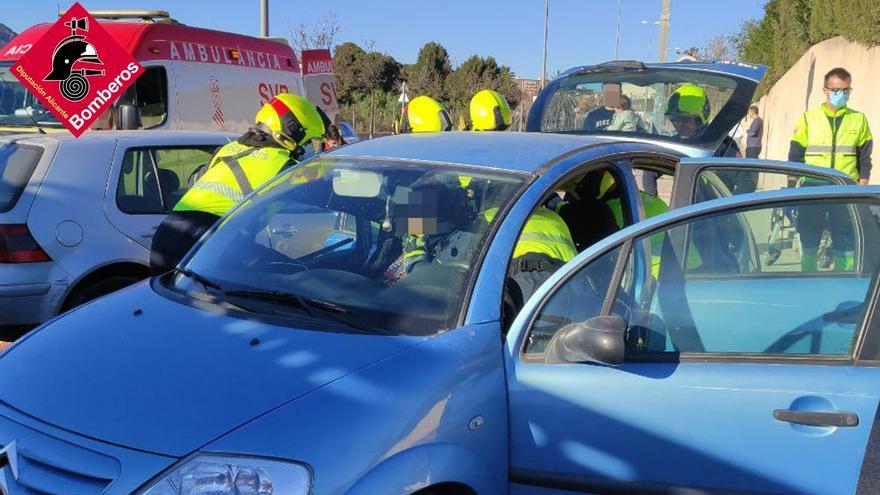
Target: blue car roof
[
  {"x": 513, "y": 151},
  {"x": 744, "y": 70}
]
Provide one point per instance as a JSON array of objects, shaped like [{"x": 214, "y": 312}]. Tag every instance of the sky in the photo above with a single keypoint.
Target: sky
[{"x": 582, "y": 32}]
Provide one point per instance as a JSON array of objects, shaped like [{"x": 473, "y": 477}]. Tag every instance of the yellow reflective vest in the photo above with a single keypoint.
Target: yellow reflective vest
[
  {"x": 223, "y": 184},
  {"x": 545, "y": 232},
  {"x": 828, "y": 144}
]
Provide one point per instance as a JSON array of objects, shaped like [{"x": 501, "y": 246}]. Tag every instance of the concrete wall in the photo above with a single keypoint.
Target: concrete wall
[{"x": 801, "y": 88}]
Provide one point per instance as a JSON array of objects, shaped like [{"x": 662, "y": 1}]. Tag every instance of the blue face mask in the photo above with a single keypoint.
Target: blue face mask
[{"x": 838, "y": 98}]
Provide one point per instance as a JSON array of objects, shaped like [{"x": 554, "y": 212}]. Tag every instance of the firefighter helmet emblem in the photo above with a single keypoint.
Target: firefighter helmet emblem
[{"x": 67, "y": 57}]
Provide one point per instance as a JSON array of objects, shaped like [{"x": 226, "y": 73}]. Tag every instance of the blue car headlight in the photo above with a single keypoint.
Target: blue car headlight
[{"x": 208, "y": 474}]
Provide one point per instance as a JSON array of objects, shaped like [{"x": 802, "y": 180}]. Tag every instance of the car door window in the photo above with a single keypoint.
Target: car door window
[
  {"x": 654, "y": 182},
  {"x": 176, "y": 166},
  {"x": 153, "y": 180},
  {"x": 711, "y": 292},
  {"x": 722, "y": 182},
  {"x": 137, "y": 191}
]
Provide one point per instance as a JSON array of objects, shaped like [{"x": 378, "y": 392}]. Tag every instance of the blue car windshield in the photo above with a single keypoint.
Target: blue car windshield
[
  {"x": 18, "y": 107},
  {"x": 383, "y": 246},
  {"x": 684, "y": 106}
]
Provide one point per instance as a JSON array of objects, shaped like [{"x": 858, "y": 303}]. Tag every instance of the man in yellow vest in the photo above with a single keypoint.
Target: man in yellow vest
[
  {"x": 545, "y": 243},
  {"x": 282, "y": 127},
  {"x": 832, "y": 134},
  {"x": 836, "y": 136},
  {"x": 422, "y": 114}
]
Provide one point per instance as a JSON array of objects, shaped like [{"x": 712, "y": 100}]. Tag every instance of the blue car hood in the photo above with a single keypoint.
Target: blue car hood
[{"x": 141, "y": 371}]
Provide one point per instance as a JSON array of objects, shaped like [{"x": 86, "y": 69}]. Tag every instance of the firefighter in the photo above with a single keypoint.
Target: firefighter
[
  {"x": 688, "y": 109},
  {"x": 489, "y": 111},
  {"x": 545, "y": 243},
  {"x": 282, "y": 127},
  {"x": 425, "y": 114}
]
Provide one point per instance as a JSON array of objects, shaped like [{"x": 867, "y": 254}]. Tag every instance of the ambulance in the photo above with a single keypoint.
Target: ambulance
[{"x": 194, "y": 78}]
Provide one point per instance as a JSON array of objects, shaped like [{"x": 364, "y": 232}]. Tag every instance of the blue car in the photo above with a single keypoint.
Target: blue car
[{"x": 300, "y": 349}]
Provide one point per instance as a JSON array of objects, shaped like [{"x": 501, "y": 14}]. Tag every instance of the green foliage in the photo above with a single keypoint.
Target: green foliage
[
  {"x": 387, "y": 111},
  {"x": 346, "y": 63},
  {"x": 475, "y": 74},
  {"x": 363, "y": 75},
  {"x": 428, "y": 74},
  {"x": 790, "y": 27}
]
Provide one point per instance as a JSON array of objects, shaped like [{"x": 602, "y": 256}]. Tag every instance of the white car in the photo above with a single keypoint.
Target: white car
[{"x": 77, "y": 216}]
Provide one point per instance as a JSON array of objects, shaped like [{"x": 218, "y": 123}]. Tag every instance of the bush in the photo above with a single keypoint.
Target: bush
[{"x": 790, "y": 27}]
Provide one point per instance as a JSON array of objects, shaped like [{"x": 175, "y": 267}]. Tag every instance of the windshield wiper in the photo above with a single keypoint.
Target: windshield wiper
[
  {"x": 333, "y": 311},
  {"x": 208, "y": 283}
]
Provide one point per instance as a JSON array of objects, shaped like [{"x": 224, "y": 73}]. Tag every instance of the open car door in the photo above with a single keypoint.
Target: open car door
[
  {"x": 671, "y": 356},
  {"x": 703, "y": 179}
]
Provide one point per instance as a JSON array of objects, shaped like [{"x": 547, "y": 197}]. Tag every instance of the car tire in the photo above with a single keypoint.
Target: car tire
[{"x": 84, "y": 294}]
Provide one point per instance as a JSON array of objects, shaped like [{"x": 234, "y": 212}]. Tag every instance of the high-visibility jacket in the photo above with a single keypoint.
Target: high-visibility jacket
[
  {"x": 545, "y": 233},
  {"x": 653, "y": 206},
  {"x": 832, "y": 139},
  {"x": 235, "y": 171}
]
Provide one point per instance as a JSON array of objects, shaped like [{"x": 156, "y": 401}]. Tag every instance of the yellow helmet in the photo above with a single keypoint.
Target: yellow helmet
[
  {"x": 689, "y": 99},
  {"x": 291, "y": 120},
  {"x": 425, "y": 114},
  {"x": 489, "y": 111}
]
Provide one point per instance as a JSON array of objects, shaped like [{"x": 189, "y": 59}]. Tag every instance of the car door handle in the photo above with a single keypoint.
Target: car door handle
[{"x": 842, "y": 419}]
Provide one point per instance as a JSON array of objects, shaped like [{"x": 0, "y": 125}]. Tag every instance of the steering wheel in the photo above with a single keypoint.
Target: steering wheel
[{"x": 324, "y": 250}]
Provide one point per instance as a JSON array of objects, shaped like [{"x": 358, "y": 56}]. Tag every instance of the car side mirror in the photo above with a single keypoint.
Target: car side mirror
[
  {"x": 598, "y": 340},
  {"x": 128, "y": 117}
]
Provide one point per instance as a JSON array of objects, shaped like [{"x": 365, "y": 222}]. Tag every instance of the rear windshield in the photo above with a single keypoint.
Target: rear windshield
[
  {"x": 17, "y": 163},
  {"x": 685, "y": 106}
]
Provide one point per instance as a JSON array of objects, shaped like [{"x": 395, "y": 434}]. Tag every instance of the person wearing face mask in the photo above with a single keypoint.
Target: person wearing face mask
[{"x": 833, "y": 134}]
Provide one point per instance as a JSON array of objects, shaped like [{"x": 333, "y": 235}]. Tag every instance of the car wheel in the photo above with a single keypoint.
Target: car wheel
[{"x": 97, "y": 289}]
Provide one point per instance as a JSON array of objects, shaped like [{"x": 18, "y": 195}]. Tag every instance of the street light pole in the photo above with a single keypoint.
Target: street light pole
[
  {"x": 650, "y": 36},
  {"x": 264, "y": 18},
  {"x": 617, "y": 34},
  {"x": 544, "y": 62},
  {"x": 663, "y": 41}
]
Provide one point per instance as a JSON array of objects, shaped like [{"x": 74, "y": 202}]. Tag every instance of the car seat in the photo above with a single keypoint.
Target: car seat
[{"x": 169, "y": 182}]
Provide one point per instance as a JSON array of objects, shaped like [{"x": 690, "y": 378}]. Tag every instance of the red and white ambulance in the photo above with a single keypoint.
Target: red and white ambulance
[{"x": 194, "y": 79}]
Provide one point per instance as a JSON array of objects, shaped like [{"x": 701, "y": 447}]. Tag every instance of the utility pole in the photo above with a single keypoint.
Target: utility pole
[
  {"x": 544, "y": 63},
  {"x": 264, "y": 18},
  {"x": 663, "y": 42},
  {"x": 617, "y": 34}
]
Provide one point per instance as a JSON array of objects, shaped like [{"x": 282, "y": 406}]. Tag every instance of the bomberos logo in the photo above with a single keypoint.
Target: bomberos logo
[{"x": 77, "y": 70}]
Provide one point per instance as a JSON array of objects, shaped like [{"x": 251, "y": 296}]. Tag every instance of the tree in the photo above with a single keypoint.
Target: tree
[
  {"x": 477, "y": 73},
  {"x": 716, "y": 49},
  {"x": 377, "y": 72},
  {"x": 693, "y": 52},
  {"x": 346, "y": 63},
  {"x": 428, "y": 74},
  {"x": 322, "y": 35},
  {"x": 357, "y": 71}
]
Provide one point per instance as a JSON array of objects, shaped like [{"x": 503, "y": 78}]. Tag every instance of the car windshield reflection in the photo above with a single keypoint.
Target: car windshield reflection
[{"x": 381, "y": 245}]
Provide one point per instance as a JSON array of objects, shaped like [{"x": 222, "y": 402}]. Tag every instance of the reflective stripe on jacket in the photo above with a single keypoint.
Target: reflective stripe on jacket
[
  {"x": 218, "y": 190},
  {"x": 829, "y": 144}
]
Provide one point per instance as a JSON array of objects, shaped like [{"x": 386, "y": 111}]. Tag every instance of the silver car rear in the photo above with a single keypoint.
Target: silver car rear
[{"x": 82, "y": 224}]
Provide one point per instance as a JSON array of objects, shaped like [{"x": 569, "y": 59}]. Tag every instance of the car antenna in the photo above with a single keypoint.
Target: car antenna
[{"x": 12, "y": 90}]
